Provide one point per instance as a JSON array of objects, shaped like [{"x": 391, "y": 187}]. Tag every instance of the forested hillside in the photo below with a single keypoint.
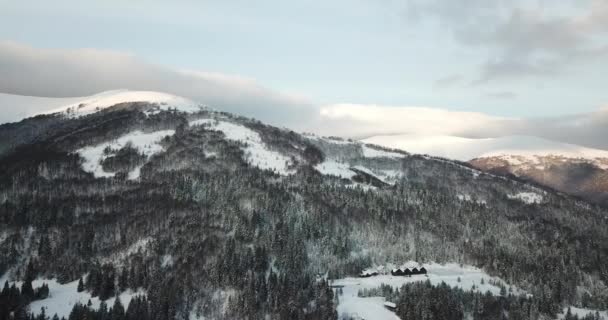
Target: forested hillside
[{"x": 217, "y": 216}]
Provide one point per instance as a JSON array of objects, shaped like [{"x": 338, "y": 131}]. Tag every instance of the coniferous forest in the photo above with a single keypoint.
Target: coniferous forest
[{"x": 205, "y": 233}]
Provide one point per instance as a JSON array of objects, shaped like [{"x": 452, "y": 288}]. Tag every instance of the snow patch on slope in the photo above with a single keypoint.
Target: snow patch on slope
[
  {"x": 108, "y": 99},
  {"x": 256, "y": 152},
  {"x": 386, "y": 176},
  {"x": 527, "y": 197},
  {"x": 62, "y": 298},
  {"x": 334, "y": 140},
  {"x": 370, "y": 152},
  {"x": 335, "y": 168},
  {"x": 146, "y": 143},
  {"x": 582, "y": 312},
  {"x": 469, "y": 198}
]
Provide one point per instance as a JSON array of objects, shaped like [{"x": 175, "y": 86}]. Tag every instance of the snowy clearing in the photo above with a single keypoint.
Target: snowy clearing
[
  {"x": 256, "y": 152},
  {"x": 108, "y": 99},
  {"x": 581, "y": 313},
  {"x": 527, "y": 197},
  {"x": 386, "y": 176},
  {"x": 335, "y": 168},
  {"x": 343, "y": 170},
  {"x": 372, "y": 308},
  {"x": 146, "y": 143},
  {"x": 62, "y": 298}
]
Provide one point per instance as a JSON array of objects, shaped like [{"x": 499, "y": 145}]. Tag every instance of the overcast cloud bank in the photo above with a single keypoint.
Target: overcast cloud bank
[{"x": 83, "y": 72}]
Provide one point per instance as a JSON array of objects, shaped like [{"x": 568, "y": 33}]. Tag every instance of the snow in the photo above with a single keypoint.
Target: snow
[
  {"x": 386, "y": 176},
  {"x": 167, "y": 261},
  {"x": 372, "y": 308},
  {"x": 468, "y": 198},
  {"x": 335, "y": 168},
  {"x": 98, "y": 102},
  {"x": 343, "y": 170},
  {"x": 146, "y": 143},
  {"x": 139, "y": 245},
  {"x": 334, "y": 140},
  {"x": 62, "y": 298},
  {"x": 201, "y": 122},
  {"x": 466, "y": 149},
  {"x": 370, "y": 152},
  {"x": 581, "y": 312},
  {"x": 527, "y": 197},
  {"x": 256, "y": 152}
]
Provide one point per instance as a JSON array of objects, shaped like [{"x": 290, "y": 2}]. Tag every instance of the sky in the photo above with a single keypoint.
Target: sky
[{"x": 318, "y": 65}]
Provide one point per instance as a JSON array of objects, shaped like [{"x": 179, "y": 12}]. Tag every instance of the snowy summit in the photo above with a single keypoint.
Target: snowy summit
[{"x": 98, "y": 102}]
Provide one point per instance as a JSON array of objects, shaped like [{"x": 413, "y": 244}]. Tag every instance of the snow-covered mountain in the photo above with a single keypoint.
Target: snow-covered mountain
[
  {"x": 569, "y": 168},
  {"x": 465, "y": 149},
  {"x": 184, "y": 212},
  {"x": 83, "y": 106}
]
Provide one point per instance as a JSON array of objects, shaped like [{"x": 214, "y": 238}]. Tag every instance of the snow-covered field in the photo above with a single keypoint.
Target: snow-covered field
[
  {"x": 62, "y": 298},
  {"x": 372, "y": 308},
  {"x": 580, "y": 312},
  {"x": 146, "y": 143},
  {"x": 256, "y": 152}
]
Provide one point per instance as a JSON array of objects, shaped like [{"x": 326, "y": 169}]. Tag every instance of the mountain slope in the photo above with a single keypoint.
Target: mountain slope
[{"x": 227, "y": 218}]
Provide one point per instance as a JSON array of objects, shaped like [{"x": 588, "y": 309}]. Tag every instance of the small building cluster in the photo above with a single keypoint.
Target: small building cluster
[
  {"x": 368, "y": 273},
  {"x": 403, "y": 272},
  {"x": 407, "y": 272}
]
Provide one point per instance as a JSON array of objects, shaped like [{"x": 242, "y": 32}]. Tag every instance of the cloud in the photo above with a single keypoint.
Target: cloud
[
  {"x": 360, "y": 121},
  {"x": 82, "y": 72},
  {"x": 503, "y": 95},
  {"x": 522, "y": 38},
  {"x": 448, "y": 81},
  {"x": 363, "y": 121}
]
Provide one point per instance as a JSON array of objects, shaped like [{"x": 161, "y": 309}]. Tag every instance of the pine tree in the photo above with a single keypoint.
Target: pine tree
[
  {"x": 103, "y": 311},
  {"x": 27, "y": 291},
  {"x": 80, "y": 287},
  {"x": 118, "y": 310}
]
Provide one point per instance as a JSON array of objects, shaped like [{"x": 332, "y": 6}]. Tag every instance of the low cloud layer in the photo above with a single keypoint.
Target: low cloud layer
[
  {"x": 69, "y": 73},
  {"x": 83, "y": 72},
  {"x": 363, "y": 121}
]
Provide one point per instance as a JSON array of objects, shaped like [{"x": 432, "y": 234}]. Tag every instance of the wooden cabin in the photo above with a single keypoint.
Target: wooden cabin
[
  {"x": 407, "y": 272},
  {"x": 415, "y": 271},
  {"x": 367, "y": 274},
  {"x": 422, "y": 271},
  {"x": 397, "y": 272},
  {"x": 390, "y": 306}
]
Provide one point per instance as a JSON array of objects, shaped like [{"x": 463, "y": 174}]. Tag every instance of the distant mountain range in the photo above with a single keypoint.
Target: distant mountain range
[{"x": 573, "y": 169}]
